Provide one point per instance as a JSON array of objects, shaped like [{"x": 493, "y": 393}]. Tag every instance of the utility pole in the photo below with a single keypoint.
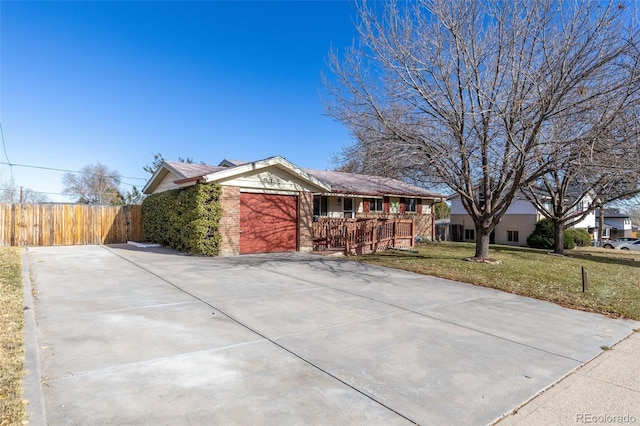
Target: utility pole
[{"x": 20, "y": 194}]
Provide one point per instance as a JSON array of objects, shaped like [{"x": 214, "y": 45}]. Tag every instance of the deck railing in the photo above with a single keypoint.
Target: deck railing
[{"x": 361, "y": 236}]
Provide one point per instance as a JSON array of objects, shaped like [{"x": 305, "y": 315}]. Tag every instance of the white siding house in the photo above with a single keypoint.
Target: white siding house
[
  {"x": 515, "y": 226},
  {"x": 616, "y": 224}
]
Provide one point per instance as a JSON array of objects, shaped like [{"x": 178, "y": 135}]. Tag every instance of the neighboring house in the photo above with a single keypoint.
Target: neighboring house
[
  {"x": 616, "y": 224},
  {"x": 270, "y": 205},
  {"x": 516, "y": 224}
]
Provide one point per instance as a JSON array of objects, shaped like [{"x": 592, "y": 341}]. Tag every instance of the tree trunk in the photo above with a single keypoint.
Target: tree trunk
[
  {"x": 601, "y": 225},
  {"x": 482, "y": 243},
  {"x": 558, "y": 244}
]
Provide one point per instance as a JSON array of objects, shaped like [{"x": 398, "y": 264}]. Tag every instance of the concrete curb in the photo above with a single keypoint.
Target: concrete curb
[{"x": 31, "y": 383}]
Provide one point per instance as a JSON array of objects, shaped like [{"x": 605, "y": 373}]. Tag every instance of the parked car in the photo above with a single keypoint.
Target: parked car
[
  {"x": 633, "y": 245},
  {"x": 615, "y": 243}
]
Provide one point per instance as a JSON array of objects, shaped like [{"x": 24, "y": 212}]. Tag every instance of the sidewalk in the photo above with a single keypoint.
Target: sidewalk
[{"x": 606, "y": 390}]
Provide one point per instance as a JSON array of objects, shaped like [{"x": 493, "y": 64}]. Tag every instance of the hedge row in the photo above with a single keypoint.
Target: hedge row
[{"x": 184, "y": 219}]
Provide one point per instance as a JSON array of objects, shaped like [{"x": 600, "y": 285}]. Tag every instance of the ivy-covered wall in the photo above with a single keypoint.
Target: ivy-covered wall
[{"x": 184, "y": 219}]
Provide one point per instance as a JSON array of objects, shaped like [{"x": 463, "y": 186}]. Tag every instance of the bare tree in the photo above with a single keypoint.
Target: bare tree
[
  {"x": 598, "y": 167},
  {"x": 465, "y": 92},
  {"x": 11, "y": 193},
  {"x": 369, "y": 159},
  {"x": 632, "y": 208},
  {"x": 95, "y": 184}
]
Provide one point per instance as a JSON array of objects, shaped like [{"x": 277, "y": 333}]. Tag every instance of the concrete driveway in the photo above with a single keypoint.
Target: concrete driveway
[{"x": 150, "y": 336}]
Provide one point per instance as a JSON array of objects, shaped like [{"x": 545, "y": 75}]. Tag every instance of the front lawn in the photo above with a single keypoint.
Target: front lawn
[
  {"x": 613, "y": 275},
  {"x": 12, "y": 407}
]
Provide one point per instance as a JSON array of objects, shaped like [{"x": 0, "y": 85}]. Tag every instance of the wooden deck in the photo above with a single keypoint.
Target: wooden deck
[{"x": 362, "y": 236}]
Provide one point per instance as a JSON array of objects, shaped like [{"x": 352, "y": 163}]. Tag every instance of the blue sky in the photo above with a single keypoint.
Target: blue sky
[{"x": 115, "y": 82}]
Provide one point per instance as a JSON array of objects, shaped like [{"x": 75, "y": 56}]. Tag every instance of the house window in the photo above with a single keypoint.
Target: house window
[
  {"x": 376, "y": 205},
  {"x": 410, "y": 205},
  {"x": 513, "y": 236},
  {"x": 469, "y": 234},
  {"x": 320, "y": 203},
  {"x": 580, "y": 206}
]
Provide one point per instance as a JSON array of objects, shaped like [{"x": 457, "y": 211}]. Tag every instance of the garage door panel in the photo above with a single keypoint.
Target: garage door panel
[{"x": 268, "y": 223}]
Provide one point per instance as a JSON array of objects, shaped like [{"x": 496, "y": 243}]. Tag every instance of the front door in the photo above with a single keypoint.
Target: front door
[{"x": 347, "y": 208}]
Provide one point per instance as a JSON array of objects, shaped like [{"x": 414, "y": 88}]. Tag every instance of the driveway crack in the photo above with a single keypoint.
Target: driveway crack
[{"x": 267, "y": 338}]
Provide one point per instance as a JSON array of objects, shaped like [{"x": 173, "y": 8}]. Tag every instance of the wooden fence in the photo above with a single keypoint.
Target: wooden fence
[
  {"x": 361, "y": 236},
  {"x": 68, "y": 224}
]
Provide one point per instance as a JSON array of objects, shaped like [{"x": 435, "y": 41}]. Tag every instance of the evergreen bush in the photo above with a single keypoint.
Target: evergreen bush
[
  {"x": 569, "y": 242},
  {"x": 542, "y": 236},
  {"x": 580, "y": 237},
  {"x": 185, "y": 219}
]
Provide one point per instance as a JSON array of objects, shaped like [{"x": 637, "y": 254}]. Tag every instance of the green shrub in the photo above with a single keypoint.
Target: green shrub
[
  {"x": 542, "y": 236},
  {"x": 569, "y": 242},
  {"x": 580, "y": 237},
  {"x": 184, "y": 219}
]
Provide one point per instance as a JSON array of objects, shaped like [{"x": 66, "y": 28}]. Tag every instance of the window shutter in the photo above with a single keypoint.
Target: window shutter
[
  {"x": 365, "y": 205},
  {"x": 403, "y": 205},
  {"x": 419, "y": 206},
  {"x": 385, "y": 204}
]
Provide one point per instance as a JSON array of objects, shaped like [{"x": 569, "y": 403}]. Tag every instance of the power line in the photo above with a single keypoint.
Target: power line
[
  {"x": 31, "y": 190},
  {"x": 66, "y": 170},
  {"x": 17, "y": 191},
  {"x": 4, "y": 148}
]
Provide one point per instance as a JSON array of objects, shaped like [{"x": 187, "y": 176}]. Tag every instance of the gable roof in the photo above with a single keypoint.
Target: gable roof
[
  {"x": 181, "y": 170},
  {"x": 328, "y": 182},
  {"x": 232, "y": 163},
  {"x": 194, "y": 173},
  {"x": 278, "y": 162},
  {"x": 189, "y": 170},
  {"x": 613, "y": 214}
]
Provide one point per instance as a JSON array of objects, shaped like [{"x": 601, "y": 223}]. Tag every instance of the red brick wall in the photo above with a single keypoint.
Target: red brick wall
[
  {"x": 230, "y": 221},
  {"x": 305, "y": 222}
]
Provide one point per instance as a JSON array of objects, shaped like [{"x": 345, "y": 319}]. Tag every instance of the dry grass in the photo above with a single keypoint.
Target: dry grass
[
  {"x": 613, "y": 276},
  {"x": 12, "y": 407}
]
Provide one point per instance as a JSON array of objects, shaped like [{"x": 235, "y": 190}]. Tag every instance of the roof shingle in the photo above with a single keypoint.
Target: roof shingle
[
  {"x": 340, "y": 182},
  {"x": 352, "y": 183},
  {"x": 190, "y": 170}
]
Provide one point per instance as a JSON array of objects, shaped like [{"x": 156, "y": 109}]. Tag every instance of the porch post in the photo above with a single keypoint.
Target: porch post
[
  {"x": 395, "y": 232},
  {"x": 345, "y": 232},
  {"x": 374, "y": 242},
  {"x": 413, "y": 232}
]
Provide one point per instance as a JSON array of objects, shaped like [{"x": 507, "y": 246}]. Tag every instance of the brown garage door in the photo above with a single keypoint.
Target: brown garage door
[{"x": 268, "y": 223}]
